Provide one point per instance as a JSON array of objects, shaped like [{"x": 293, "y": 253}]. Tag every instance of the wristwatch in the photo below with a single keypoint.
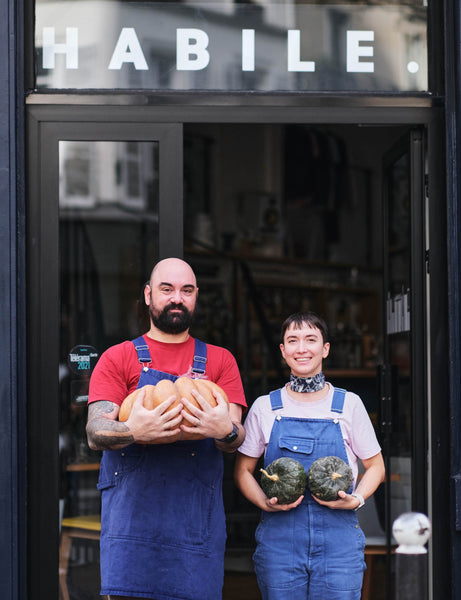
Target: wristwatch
[
  {"x": 231, "y": 437},
  {"x": 360, "y": 499}
]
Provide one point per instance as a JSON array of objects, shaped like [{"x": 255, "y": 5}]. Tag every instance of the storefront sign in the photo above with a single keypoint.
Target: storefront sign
[{"x": 156, "y": 46}]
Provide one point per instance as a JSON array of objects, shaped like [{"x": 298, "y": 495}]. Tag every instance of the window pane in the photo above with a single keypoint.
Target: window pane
[
  {"x": 108, "y": 204},
  {"x": 264, "y": 46}
]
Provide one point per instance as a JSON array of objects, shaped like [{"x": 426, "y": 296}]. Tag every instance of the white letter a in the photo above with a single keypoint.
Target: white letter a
[{"x": 128, "y": 50}]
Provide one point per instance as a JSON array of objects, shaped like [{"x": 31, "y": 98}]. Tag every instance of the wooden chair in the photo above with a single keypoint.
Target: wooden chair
[
  {"x": 86, "y": 527},
  {"x": 375, "y": 539}
]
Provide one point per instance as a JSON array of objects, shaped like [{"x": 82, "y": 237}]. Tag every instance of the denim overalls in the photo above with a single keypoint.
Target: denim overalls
[
  {"x": 162, "y": 520},
  {"x": 311, "y": 552}
]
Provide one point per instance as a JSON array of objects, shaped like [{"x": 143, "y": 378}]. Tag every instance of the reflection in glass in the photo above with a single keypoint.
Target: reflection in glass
[
  {"x": 108, "y": 201},
  {"x": 399, "y": 333},
  {"x": 265, "y": 46}
]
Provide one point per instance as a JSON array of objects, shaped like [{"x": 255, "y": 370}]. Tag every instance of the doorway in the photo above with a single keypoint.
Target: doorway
[
  {"x": 274, "y": 218},
  {"x": 325, "y": 218}
]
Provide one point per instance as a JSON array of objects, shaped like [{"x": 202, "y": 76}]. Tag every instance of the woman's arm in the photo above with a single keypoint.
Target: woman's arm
[{"x": 374, "y": 475}]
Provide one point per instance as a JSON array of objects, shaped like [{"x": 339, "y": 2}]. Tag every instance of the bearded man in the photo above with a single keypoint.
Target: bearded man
[{"x": 162, "y": 517}]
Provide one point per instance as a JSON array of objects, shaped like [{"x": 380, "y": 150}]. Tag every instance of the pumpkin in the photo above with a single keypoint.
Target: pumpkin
[
  {"x": 181, "y": 388},
  {"x": 284, "y": 479},
  {"x": 327, "y": 476}
]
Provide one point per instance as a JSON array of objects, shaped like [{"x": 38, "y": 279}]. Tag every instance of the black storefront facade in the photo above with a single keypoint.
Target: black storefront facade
[{"x": 298, "y": 157}]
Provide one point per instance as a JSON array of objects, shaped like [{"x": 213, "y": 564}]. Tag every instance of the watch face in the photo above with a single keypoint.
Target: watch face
[{"x": 231, "y": 437}]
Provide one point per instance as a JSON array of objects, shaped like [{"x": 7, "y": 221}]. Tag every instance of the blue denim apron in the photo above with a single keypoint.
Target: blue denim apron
[
  {"x": 311, "y": 552},
  {"x": 163, "y": 528}
]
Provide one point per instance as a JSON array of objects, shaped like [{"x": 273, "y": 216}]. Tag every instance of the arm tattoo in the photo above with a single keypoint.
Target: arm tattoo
[{"x": 105, "y": 432}]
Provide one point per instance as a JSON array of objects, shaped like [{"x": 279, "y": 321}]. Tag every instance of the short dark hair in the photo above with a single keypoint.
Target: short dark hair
[{"x": 305, "y": 318}]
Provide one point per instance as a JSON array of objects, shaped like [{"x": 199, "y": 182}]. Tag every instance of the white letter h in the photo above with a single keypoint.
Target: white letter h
[{"x": 70, "y": 48}]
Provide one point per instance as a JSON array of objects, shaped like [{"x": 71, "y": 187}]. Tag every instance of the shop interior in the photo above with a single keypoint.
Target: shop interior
[{"x": 277, "y": 218}]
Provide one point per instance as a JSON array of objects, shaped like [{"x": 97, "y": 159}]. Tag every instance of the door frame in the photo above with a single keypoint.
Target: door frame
[
  {"x": 48, "y": 115},
  {"x": 412, "y": 144},
  {"x": 43, "y": 322}
]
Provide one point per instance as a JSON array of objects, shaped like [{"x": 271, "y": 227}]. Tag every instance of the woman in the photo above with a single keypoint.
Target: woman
[{"x": 310, "y": 549}]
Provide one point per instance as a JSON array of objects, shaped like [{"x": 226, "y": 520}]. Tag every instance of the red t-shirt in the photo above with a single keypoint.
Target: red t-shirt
[{"x": 117, "y": 371}]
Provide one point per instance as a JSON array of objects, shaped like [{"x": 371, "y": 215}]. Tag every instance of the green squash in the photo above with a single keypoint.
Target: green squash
[
  {"x": 327, "y": 476},
  {"x": 284, "y": 479}
]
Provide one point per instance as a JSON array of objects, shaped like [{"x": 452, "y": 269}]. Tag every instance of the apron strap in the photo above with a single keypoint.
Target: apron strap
[
  {"x": 142, "y": 350},
  {"x": 337, "y": 404},
  {"x": 276, "y": 399},
  {"x": 200, "y": 353}
]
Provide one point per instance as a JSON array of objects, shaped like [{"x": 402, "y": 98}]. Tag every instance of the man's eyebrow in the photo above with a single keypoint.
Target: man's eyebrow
[{"x": 186, "y": 285}]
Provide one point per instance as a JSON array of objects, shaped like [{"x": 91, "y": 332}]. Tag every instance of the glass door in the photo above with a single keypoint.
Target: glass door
[
  {"x": 403, "y": 376},
  {"x": 108, "y": 198}
]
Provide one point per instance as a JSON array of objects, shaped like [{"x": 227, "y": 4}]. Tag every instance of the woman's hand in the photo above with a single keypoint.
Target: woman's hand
[
  {"x": 250, "y": 488},
  {"x": 373, "y": 476},
  {"x": 273, "y": 505},
  {"x": 344, "y": 502}
]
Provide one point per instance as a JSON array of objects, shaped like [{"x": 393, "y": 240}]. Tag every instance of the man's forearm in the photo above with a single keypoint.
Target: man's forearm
[{"x": 104, "y": 432}]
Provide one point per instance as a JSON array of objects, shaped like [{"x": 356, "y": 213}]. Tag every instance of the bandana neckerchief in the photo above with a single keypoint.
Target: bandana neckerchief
[{"x": 307, "y": 384}]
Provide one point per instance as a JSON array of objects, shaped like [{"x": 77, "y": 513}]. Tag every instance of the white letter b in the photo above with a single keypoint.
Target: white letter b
[{"x": 191, "y": 50}]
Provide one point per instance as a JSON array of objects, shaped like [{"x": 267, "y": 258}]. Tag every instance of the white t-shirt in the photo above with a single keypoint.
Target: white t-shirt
[{"x": 356, "y": 427}]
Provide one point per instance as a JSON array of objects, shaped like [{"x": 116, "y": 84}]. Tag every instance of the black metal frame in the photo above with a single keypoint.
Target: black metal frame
[
  {"x": 451, "y": 446},
  {"x": 444, "y": 224},
  {"x": 55, "y": 122},
  {"x": 44, "y": 306},
  {"x": 411, "y": 144},
  {"x": 13, "y": 432}
]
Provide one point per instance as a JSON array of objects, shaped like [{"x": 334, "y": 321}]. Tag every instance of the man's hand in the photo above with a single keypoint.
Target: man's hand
[
  {"x": 211, "y": 422},
  {"x": 154, "y": 426}
]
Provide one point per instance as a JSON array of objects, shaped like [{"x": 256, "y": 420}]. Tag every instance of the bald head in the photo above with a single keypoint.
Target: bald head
[{"x": 175, "y": 269}]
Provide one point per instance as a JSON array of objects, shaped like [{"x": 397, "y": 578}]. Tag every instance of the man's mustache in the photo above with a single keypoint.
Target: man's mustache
[{"x": 175, "y": 307}]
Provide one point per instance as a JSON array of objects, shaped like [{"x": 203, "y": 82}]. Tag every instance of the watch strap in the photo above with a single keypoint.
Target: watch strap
[
  {"x": 360, "y": 499},
  {"x": 231, "y": 437}
]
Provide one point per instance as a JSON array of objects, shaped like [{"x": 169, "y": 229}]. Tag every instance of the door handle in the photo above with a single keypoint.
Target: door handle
[{"x": 385, "y": 399}]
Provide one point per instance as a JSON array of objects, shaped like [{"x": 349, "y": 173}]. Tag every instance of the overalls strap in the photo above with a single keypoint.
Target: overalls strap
[
  {"x": 200, "y": 354},
  {"x": 142, "y": 350},
  {"x": 276, "y": 399},
  {"x": 337, "y": 404}
]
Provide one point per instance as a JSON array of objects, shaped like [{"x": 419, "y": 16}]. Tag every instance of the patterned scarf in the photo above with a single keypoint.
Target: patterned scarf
[{"x": 307, "y": 384}]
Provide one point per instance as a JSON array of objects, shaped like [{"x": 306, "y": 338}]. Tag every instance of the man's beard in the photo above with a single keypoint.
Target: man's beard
[{"x": 170, "y": 322}]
